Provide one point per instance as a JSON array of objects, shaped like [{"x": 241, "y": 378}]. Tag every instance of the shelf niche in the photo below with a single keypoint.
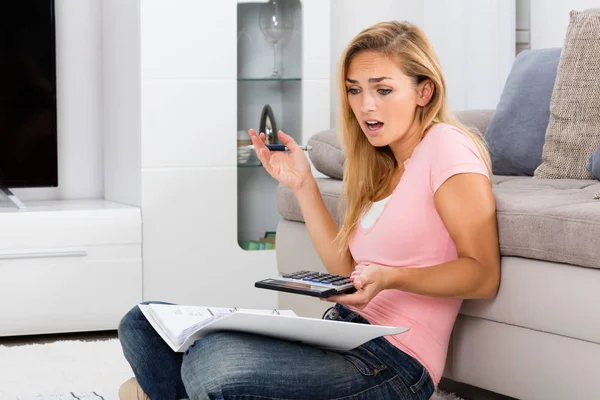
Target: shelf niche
[{"x": 256, "y": 87}]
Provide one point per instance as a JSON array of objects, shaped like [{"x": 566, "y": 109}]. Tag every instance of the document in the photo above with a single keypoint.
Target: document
[{"x": 181, "y": 325}]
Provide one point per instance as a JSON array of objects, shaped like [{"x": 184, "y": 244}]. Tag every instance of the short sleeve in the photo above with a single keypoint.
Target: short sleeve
[{"x": 453, "y": 152}]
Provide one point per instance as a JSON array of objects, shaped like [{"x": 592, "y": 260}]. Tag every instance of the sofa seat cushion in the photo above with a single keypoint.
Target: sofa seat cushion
[
  {"x": 544, "y": 296},
  {"x": 545, "y": 219},
  {"x": 549, "y": 219}
]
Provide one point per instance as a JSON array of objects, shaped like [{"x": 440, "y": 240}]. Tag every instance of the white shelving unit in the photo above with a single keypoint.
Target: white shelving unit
[{"x": 175, "y": 96}]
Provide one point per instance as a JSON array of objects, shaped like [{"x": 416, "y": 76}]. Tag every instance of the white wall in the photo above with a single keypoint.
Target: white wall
[
  {"x": 550, "y": 19},
  {"x": 79, "y": 96},
  {"x": 475, "y": 43}
]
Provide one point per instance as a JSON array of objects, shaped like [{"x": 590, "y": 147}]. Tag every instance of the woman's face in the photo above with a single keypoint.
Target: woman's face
[{"x": 382, "y": 98}]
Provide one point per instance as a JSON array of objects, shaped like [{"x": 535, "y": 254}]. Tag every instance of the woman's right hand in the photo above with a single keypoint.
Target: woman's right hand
[{"x": 290, "y": 168}]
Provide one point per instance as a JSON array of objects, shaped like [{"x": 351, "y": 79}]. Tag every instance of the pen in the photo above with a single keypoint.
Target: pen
[{"x": 280, "y": 147}]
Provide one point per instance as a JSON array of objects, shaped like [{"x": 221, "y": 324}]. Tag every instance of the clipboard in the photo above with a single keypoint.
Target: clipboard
[{"x": 326, "y": 334}]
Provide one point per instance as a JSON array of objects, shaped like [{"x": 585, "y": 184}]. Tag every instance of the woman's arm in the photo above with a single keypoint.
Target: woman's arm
[
  {"x": 466, "y": 204},
  {"x": 293, "y": 171},
  {"x": 322, "y": 229}
]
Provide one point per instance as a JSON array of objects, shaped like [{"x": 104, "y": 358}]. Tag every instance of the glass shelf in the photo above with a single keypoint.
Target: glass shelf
[{"x": 268, "y": 79}]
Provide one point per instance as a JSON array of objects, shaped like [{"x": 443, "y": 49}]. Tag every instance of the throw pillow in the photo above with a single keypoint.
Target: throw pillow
[
  {"x": 594, "y": 168},
  {"x": 326, "y": 154},
  {"x": 517, "y": 131},
  {"x": 574, "y": 128},
  {"x": 594, "y": 164}
]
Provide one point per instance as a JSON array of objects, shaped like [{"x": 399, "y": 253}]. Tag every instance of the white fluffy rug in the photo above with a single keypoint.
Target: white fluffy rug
[
  {"x": 88, "y": 369},
  {"x": 63, "y": 366}
]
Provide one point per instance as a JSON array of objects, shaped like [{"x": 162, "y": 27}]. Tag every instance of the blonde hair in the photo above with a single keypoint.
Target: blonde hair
[{"x": 367, "y": 168}]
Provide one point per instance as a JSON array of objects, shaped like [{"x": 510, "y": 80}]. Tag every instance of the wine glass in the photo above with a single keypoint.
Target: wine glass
[{"x": 276, "y": 22}]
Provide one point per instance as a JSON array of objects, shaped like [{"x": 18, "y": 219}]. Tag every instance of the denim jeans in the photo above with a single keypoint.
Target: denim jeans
[{"x": 236, "y": 366}]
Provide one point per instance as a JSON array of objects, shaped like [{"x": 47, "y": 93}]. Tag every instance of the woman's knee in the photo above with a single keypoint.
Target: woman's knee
[
  {"x": 124, "y": 325},
  {"x": 131, "y": 323},
  {"x": 217, "y": 362}
]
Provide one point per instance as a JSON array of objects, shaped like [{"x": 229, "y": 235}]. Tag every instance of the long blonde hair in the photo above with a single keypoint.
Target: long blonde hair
[{"x": 367, "y": 168}]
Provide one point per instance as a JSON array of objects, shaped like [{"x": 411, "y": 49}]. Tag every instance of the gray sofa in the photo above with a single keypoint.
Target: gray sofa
[{"x": 540, "y": 337}]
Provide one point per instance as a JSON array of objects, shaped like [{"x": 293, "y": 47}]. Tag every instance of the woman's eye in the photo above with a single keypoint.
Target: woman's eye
[
  {"x": 384, "y": 91},
  {"x": 353, "y": 91}
]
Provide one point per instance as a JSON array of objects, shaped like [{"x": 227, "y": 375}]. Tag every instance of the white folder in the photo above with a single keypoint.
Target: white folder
[{"x": 327, "y": 334}]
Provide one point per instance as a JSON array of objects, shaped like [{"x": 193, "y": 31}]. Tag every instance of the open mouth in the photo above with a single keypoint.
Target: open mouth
[{"x": 374, "y": 126}]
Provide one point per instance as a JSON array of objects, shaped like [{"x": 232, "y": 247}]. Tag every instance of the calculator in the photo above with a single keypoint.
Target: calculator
[{"x": 310, "y": 283}]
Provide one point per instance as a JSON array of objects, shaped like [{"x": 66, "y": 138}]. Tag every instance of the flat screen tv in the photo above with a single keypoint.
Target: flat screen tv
[{"x": 28, "y": 128}]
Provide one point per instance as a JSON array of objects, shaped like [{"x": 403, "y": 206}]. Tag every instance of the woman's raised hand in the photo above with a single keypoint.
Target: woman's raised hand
[{"x": 290, "y": 168}]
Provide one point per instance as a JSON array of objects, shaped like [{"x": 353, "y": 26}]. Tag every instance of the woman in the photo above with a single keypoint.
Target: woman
[{"x": 419, "y": 235}]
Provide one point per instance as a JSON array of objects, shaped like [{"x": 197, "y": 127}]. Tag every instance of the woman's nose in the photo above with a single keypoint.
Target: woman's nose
[{"x": 367, "y": 104}]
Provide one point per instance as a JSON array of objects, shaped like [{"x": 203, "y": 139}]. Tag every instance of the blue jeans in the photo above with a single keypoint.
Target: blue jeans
[{"x": 236, "y": 366}]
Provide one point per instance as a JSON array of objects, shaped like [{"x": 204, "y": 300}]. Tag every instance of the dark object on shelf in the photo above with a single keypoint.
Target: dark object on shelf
[{"x": 268, "y": 125}]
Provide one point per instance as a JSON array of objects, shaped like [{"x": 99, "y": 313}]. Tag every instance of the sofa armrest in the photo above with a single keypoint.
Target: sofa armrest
[{"x": 479, "y": 119}]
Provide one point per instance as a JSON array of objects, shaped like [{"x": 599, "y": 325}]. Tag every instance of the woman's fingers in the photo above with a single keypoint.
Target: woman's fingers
[
  {"x": 358, "y": 282},
  {"x": 261, "y": 150},
  {"x": 288, "y": 141},
  {"x": 256, "y": 141},
  {"x": 261, "y": 137},
  {"x": 252, "y": 133}
]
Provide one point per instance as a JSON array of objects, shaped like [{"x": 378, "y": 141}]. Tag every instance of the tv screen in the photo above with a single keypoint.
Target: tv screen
[{"x": 28, "y": 134}]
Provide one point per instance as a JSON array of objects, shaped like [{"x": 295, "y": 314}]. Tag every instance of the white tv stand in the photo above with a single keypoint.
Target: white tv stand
[
  {"x": 12, "y": 198},
  {"x": 68, "y": 266}
]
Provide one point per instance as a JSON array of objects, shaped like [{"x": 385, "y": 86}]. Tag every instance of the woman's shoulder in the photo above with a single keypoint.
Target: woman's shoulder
[
  {"x": 444, "y": 138},
  {"x": 445, "y": 132},
  {"x": 451, "y": 150}
]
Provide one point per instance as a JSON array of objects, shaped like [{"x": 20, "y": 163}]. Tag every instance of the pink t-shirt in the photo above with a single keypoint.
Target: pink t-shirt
[{"x": 410, "y": 233}]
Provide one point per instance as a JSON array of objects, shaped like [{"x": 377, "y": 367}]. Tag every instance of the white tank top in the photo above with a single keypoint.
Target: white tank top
[{"x": 373, "y": 212}]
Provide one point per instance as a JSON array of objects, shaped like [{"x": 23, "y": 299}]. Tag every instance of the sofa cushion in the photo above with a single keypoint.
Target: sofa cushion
[
  {"x": 544, "y": 219},
  {"x": 326, "y": 154},
  {"x": 476, "y": 119},
  {"x": 594, "y": 164},
  {"x": 517, "y": 131},
  {"x": 574, "y": 128},
  {"x": 594, "y": 168},
  {"x": 549, "y": 219}
]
